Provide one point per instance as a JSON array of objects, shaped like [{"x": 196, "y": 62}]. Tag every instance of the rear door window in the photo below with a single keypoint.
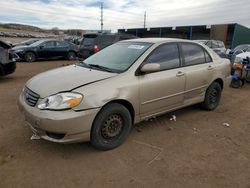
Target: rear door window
[
  {"x": 166, "y": 55},
  {"x": 193, "y": 54}
]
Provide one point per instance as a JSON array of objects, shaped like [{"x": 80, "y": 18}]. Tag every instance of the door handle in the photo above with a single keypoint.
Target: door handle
[
  {"x": 210, "y": 67},
  {"x": 180, "y": 73}
]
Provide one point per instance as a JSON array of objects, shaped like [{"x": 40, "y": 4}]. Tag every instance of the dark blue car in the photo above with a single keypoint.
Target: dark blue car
[{"x": 46, "y": 49}]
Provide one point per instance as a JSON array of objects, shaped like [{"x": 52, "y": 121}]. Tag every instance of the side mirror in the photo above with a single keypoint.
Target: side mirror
[{"x": 151, "y": 67}]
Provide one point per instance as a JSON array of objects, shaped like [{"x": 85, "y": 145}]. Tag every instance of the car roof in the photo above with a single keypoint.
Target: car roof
[{"x": 157, "y": 40}]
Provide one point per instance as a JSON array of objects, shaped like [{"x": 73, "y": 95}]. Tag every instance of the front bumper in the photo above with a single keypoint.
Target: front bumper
[{"x": 66, "y": 126}]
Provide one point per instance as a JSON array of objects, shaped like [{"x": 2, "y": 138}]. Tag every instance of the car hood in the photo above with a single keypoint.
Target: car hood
[
  {"x": 65, "y": 79},
  {"x": 21, "y": 47}
]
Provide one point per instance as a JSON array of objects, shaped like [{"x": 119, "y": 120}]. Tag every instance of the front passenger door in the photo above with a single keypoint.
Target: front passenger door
[
  {"x": 164, "y": 90},
  {"x": 46, "y": 49}
]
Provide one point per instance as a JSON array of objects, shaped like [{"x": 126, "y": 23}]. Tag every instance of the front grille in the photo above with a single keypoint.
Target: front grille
[{"x": 30, "y": 97}]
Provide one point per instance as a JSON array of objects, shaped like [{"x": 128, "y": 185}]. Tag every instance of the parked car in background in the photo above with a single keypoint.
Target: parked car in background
[
  {"x": 94, "y": 42},
  {"x": 240, "y": 51},
  {"x": 73, "y": 39},
  {"x": 123, "y": 84},
  {"x": 46, "y": 49},
  {"x": 7, "y": 62},
  {"x": 26, "y": 42},
  {"x": 216, "y": 45}
]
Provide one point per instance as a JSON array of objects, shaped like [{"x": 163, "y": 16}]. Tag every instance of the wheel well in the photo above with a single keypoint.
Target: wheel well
[
  {"x": 127, "y": 104},
  {"x": 220, "y": 81}
]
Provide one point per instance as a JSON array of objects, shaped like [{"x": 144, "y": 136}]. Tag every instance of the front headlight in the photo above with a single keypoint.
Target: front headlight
[{"x": 61, "y": 101}]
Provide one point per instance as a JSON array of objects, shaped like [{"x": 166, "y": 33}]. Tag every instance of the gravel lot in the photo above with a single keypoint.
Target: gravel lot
[{"x": 195, "y": 151}]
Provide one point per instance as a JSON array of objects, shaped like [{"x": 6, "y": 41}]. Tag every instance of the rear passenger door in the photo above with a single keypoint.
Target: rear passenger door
[
  {"x": 164, "y": 90},
  {"x": 199, "y": 70}
]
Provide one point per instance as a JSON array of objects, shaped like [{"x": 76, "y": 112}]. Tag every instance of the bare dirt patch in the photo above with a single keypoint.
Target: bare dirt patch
[{"x": 197, "y": 150}]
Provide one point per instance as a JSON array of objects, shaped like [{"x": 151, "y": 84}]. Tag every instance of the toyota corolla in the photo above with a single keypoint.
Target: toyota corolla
[{"x": 99, "y": 99}]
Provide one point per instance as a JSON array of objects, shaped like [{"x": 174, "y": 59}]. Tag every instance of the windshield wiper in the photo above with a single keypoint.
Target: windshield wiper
[
  {"x": 85, "y": 64},
  {"x": 101, "y": 67}
]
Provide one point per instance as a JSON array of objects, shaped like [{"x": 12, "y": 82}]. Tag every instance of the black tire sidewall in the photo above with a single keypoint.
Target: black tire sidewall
[
  {"x": 114, "y": 108},
  {"x": 236, "y": 83},
  {"x": 206, "y": 104},
  {"x": 30, "y": 53}
]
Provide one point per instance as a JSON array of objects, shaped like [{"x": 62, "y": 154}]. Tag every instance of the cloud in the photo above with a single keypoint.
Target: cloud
[{"x": 85, "y": 14}]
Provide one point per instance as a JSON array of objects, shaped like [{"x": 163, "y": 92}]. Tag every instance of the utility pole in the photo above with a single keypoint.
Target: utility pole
[
  {"x": 145, "y": 14},
  {"x": 101, "y": 17}
]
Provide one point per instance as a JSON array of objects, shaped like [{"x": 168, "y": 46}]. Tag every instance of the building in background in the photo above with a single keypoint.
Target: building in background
[{"x": 231, "y": 34}]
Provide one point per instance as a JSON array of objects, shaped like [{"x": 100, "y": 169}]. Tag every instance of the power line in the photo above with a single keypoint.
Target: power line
[{"x": 101, "y": 17}]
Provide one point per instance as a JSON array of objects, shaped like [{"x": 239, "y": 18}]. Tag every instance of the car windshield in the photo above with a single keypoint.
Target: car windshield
[
  {"x": 117, "y": 57},
  {"x": 241, "y": 47},
  {"x": 30, "y": 41},
  {"x": 37, "y": 43}
]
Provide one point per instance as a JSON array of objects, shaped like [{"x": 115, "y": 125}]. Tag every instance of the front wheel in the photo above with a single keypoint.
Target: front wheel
[
  {"x": 30, "y": 57},
  {"x": 111, "y": 127},
  {"x": 212, "y": 96}
]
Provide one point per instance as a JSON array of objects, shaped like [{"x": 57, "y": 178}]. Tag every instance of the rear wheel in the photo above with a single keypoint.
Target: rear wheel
[
  {"x": 111, "y": 127},
  {"x": 30, "y": 57},
  {"x": 236, "y": 83},
  {"x": 71, "y": 56},
  {"x": 212, "y": 96}
]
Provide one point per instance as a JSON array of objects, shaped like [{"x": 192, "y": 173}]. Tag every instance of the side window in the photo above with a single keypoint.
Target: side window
[
  {"x": 49, "y": 44},
  {"x": 61, "y": 44},
  {"x": 166, "y": 55},
  {"x": 193, "y": 54}
]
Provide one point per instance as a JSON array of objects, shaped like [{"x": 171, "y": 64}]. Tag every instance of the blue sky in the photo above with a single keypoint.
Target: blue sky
[{"x": 85, "y": 14}]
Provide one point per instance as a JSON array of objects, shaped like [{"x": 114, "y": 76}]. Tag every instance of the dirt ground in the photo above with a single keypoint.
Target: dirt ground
[{"x": 195, "y": 151}]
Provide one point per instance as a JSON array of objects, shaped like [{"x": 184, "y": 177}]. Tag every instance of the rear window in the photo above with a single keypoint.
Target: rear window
[
  {"x": 88, "y": 40},
  {"x": 221, "y": 44},
  {"x": 106, "y": 40}
]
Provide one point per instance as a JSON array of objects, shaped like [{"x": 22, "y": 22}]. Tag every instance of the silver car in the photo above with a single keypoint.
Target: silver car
[{"x": 99, "y": 99}]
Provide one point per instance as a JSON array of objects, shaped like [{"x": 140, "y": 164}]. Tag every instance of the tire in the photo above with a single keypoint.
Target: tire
[
  {"x": 212, "y": 96},
  {"x": 71, "y": 56},
  {"x": 111, "y": 127},
  {"x": 236, "y": 83},
  {"x": 30, "y": 57}
]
